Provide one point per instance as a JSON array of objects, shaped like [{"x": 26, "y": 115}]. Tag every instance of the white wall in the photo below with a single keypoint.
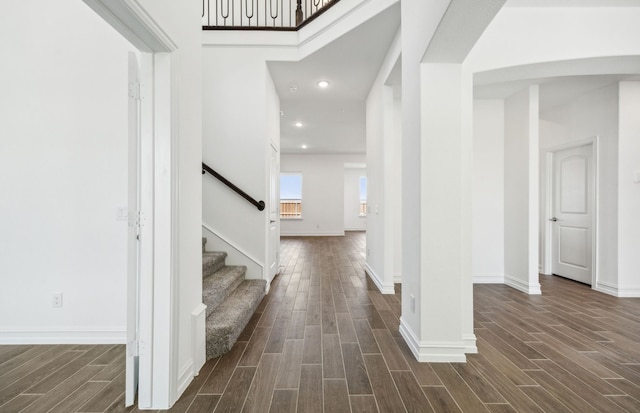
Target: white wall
[
  {"x": 323, "y": 178},
  {"x": 353, "y": 221},
  {"x": 488, "y": 191},
  {"x": 395, "y": 192},
  {"x": 629, "y": 191},
  {"x": 63, "y": 174},
  {"x": 383, "y": 153},
  {"x": 238, "y": 128},
  {"x": 587, "y": 116},
  {"x": 521, "y": 207}
]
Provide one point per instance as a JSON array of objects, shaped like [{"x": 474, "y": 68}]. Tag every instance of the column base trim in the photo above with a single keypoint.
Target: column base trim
[
  {"x": 527, "y": 288},
  {"x": 385, "y": 288},
  {"x": 434, "y": 351}
]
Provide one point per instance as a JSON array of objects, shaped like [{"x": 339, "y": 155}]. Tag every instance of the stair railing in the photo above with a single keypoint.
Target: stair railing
[
  {"x": 257, "y": 204},
  {"x": 282, "y": 15}
]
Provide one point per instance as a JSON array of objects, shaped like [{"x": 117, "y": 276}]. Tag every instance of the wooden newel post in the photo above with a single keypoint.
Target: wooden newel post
[{"x": 299, "y": 13}]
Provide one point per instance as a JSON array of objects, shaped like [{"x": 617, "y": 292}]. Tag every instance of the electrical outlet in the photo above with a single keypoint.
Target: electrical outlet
[
  {"x": 56, "y": 300},
  {"x": 413, "y": 303}
]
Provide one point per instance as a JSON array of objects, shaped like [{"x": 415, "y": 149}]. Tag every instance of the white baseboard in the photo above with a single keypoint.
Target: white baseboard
[
  {"x": 185, "y": 378},
  {"x": 313, "y": 234},
  {"x": 488, "y": 279},
  {"x": 531, "y": 289},
  {"x": 397, "y": 278},
  {"x": 435, "y": 351},
  {"x": 45, "y": 336},
  {"x": 384, "y": 288},
  {"x": 470, "y": 343},
  {"x": 617, "y": 291}
]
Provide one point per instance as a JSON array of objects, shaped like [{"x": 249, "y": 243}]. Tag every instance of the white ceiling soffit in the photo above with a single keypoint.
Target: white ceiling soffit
[
  {"x": 628, "y": 65},
  {"x": 553, "y": 90},
  {"x": 559, "y": 81},
  {"x": 460, "y": 28}
]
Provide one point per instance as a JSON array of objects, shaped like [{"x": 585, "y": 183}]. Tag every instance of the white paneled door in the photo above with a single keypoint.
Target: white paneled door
[
  {"x": 274, "y": 213},
  {"x": 573, "y": 212}
]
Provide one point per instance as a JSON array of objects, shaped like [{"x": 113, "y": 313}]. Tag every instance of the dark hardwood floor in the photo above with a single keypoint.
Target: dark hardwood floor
[{"x": 324, "y": 339}]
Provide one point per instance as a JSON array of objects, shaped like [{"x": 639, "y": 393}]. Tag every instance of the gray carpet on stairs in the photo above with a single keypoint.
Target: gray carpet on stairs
[
  {"x": 227, "y": 322},
  {"x": 231, "y": 300}
]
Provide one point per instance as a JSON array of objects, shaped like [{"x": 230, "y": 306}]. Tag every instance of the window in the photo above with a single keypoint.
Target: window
[
  {"x": 363, "y": 196},
  {"x": 290, "y": 195}
]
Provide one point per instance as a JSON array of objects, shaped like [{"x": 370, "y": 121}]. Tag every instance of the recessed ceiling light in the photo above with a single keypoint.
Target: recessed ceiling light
[
  {"x": 323, "y": 84},
  {"x": 299, "y": 124},
  {"x": 293, "y": 88},
  {"x": 304, "y": 146}
]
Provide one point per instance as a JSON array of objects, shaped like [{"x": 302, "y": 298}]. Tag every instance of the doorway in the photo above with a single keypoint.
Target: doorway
[{"x": 571, "y": 212}]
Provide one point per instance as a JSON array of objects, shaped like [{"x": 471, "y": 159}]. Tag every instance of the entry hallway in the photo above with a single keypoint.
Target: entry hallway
[{"x": 325, "y": 340}]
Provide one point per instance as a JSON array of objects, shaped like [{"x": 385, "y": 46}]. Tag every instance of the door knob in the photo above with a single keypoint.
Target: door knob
[{"x": 554, "y": 219}]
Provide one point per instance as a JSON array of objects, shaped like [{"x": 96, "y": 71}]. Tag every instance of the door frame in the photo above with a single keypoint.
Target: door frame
[
  {"x": 159, "y": 258},
  {"x": 548, "y": 156}
]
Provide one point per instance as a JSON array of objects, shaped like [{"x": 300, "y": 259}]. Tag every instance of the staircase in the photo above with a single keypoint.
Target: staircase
[{"x": 231, "y": 300}]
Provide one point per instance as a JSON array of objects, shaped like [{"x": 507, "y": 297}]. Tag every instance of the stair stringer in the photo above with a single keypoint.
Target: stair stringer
[{"x": 235, "y": 254}]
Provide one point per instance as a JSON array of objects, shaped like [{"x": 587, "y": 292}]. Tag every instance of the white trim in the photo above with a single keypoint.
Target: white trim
[
  {"x": 397, "y": 278},
  {"x": 616, "y": 291},
  {"x": 198, "y": 338},
  {"x": 470, "y": 343},
  {"x": 133, "y": 22},
  {"x": 314, "y": 234},
  {"x": 186, "y": 376},
  {"x": 435, "y": 351},
  {"x": 233, "y": 245},
  {"x": 384, "y": 288},
  {"x": 75, "y": 336},
  {"x": 488, "y": 279},
  {"x": 513, "y": 282},
  {"x": 548, "y": 235}
]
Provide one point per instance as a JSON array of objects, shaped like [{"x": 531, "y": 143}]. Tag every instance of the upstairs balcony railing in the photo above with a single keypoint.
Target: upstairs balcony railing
[{"x": 285, "y": 15}]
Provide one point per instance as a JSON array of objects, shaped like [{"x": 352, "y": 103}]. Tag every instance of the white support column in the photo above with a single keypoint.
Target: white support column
[
  {"x": 521, "y": 171},
  {"x": 445, "y": 299},
  {"x": 629, "y": 190}
]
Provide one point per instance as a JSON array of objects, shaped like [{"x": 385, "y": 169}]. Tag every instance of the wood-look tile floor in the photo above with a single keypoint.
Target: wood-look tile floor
[{"x": 325, "y": 339}]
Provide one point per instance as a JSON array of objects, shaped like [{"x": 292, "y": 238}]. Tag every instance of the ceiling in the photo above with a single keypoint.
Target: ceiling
[{"x": 333, "y": 119}]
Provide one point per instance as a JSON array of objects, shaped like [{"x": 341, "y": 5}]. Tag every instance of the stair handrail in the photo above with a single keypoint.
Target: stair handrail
[
  {"x": 275, "y": 15},
  {"x": 257, "y": 204}
]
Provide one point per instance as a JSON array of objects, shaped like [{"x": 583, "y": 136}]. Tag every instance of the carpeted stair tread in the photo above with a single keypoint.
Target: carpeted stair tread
[
  {"x": 217, "y": 286},
  {"x": 226, "y": 323},
  {"x": 212, "y": 262}
]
